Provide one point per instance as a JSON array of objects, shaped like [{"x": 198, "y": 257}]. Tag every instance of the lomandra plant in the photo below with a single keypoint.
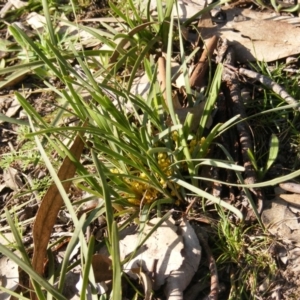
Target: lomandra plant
[{"x": 138, "y": 160}]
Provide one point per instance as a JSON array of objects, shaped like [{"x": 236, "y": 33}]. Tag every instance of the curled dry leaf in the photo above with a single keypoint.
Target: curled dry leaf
[
  {"x": 170, "y": 255},
  {"x": 180, "y": 279},
  {"x": 50, "y": 206},
  {"x": 13, "y": 108}
]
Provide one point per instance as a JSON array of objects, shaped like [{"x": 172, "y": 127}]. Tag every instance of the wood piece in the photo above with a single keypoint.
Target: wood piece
[
  {"x": 197, "y": 79},
  {"x": 238, "y": 108}
]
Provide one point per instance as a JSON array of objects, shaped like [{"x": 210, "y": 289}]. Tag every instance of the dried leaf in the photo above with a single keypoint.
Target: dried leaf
[
  {"x": 186, "y": 8},
  {"x": 293, "y": 199},
  {"x": 166, "y": 256},
  {"x": 12, "y": 179},
  {"x": 50, "y": 206},
  {"x": 181, "y": 278},
  {"x": 164, "y": 247},
  {"x": 9, "y": 276},
  {"x": 9, "y": 271},
  {"x": 147, "y": 283},
  {"x": 10, "y": 4},
  {"x": 290, "y": 187},
  {"x": 258, "y": 37},
  {"x": 13, "y": 108},
  {"x": 281, "y": 221},
  {"x": 36, "y": 21},
  {"x": 102, "y": 267}
]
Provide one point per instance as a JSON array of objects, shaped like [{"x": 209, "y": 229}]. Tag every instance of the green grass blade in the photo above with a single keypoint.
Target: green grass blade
[
  {"x": 208, "y": 196},
  {"x": 273, "y": 151},
  {"x": 211, "y": 99},
  {"x": 18, "y": 239},
  {"x": 4, "y": 118},
  {"x": 13, "y": 294},
  {"x": 49, "y": 22},
  {"x": 72, "y": 243},
  {"x": 42, "y": 56},
  {"x": 252, "y": 159},
  {"x": 117, "y": 270},
  {"x": 87, "y": 267},
  {"x": 106, "y": 195}
]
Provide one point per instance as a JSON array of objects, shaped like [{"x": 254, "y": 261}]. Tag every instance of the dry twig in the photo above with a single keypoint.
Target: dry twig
[{"x": 275, "y": 87}]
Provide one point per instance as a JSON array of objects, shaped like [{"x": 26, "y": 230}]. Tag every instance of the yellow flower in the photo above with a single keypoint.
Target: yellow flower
[{"x": 175, "y": 136}]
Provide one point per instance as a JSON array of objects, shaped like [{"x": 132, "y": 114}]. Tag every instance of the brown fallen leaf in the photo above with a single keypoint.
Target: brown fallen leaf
[
  {"x": 257, "y": 38},
  {"x": 181, "y": 112},
  {"x": 179, "y": 279},
  {"x": 293, "y": 199},
  {"x": 290, "y": 187},
  {"x": 50, "y": 206},
  {"x": 170, "y": 256},
  {"x": 280, "y": 220},
  {"x": 12, "y": 179},
  {"x": 102, "y": 267},
  {"x": 197, "y": 79}
]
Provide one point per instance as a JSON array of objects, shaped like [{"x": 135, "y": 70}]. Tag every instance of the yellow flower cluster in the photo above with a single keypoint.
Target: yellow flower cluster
[
  {"x": 175, "y": 136},
  {"x": 143, "y": 191},
  {"x": 193, "y": 143},
  {"x": 164, "y": 163}
]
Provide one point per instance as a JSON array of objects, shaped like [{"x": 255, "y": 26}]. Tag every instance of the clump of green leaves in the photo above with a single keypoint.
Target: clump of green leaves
[
  {"x": 27, "y": 154},
  {"x": 243, "y": 255},
  {"x": 273, "y": 152}
]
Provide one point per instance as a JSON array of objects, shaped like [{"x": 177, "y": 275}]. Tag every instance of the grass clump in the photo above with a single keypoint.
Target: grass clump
[{"x": 244, "y": 258}]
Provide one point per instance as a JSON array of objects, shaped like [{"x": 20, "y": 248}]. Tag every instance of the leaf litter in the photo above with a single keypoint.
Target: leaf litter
[{"x": 253, "y": 38}]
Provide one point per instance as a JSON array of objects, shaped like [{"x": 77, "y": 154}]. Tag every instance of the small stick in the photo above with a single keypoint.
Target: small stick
[
  {"x": 214, "y": 281},
  {"x": 190, "y": 205},
  {"x": 275, "y": 87}
]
